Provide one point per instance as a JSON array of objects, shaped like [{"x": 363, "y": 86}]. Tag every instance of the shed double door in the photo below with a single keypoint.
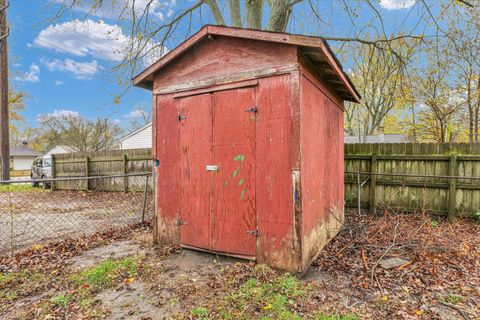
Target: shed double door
[{"x": 217, "y": 136}]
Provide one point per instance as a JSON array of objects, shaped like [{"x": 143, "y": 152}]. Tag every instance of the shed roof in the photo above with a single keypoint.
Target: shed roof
[
  {"x": 314, "y": 48},
  {"x": 23, "y": 151}
]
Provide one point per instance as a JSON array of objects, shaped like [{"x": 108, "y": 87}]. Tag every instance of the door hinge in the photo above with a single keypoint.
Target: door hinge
[
  {"x": 252, "y": 109},
  {"x": 181, "y": 222},
  {"x": 253, "y": 232},
  {"x": 181, "y": 117}
]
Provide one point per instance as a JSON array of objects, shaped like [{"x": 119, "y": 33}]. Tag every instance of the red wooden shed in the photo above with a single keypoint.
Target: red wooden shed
[{"x": 248, "y": 134}]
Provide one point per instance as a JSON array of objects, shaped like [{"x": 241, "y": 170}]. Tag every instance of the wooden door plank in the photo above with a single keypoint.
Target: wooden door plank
[
  {"x": 195, "y": 123},
  {"x": 234, "y": 184}
]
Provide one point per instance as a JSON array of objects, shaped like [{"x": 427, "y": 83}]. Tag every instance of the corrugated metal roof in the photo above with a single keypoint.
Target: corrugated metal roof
[
  {"x": 23, "y": 151},
  {"x": 315, "y": 49}
]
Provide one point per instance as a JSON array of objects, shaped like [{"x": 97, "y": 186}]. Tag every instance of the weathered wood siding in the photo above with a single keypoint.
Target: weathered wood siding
[
  {"x": 102, "y": 163},
  {"x": 421, "y": 194}
]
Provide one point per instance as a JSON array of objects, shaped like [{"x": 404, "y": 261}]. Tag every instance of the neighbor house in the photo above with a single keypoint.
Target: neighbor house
[
  {"x": 380, "y": 138},
  {"x": 21, "y": 157},
  {"x": 60, "y": 150},
  {"x": 139, "y": 138}
]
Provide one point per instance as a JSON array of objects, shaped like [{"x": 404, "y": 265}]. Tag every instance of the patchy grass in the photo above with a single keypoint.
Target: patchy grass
[
  {"x": 323, "y": 316},
  {"x": 260, "y": 297},
  {"x": 61, "y": 300},
  {"x": 453, "y": 298},
  {"x": 106, "y": 273},
  {"x": 20, "y": 187},
  {"x": 24, "y": 283}
]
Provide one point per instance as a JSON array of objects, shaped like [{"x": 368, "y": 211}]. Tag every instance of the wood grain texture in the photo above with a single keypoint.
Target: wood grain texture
[
  {"x": 167, "y": 151},
  {"x": 276, "y": 242},
  {"x": 321, "y": 145},
  {"x": 196, "y": 181},
  {"x": 233, "y": 202},
  {"x": 222, "y": 57},
  {"x": 419, "y": 194}
]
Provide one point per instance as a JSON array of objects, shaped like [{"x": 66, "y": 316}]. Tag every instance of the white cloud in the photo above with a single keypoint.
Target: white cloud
[
  {"x": 81, "y": 38},
  {"x": 80, "y": 70},
  {"x": 58, "y": 82},
  {"x": 58, "y": 114},
  {"x": 397, "y": 4},
  {"x": 99, "y": 40},
  {"x": 32, "y": 76},
  {"x": 136, "y": 113}
]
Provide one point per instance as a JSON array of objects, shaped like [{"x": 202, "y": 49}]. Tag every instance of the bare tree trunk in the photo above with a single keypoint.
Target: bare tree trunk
[
  {"x": 235, "y": 13},
  {"x": 253, "y": 11},
  {"x": 213, "y": 5},
  {"x": 279, "y": 15},
  {"x": 477, "y": 109}
]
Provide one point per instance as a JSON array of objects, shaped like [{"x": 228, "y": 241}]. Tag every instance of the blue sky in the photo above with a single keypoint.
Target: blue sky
[{"x": 65, "y": 65}]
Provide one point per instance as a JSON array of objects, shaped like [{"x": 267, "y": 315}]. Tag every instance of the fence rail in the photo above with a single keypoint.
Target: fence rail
[
  {"x": 32, "y": 215},
  {"x": 439, "y": 178}
]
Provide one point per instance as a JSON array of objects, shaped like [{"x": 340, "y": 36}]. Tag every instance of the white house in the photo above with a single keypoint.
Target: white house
[
  {"x": 140, "y": 138},
  {"x": 59, "y": 150},
  {"x": 380, "y": 138},
  {"x": 21, "y": 157}
]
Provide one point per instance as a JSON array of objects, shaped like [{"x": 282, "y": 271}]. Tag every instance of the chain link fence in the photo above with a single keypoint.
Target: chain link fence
[
  {"x": 452, "y": 196},
  {"x": 36, "y": 211}
]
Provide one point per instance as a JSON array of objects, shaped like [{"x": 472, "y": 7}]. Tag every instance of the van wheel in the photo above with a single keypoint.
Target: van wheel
[
  {"x": 34, "y": 184},
  {"x": 45, "y": 185}
]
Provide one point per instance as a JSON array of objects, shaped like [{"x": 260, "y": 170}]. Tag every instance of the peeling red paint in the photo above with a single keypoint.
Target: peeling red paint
[{"x": 272, "y": 137}]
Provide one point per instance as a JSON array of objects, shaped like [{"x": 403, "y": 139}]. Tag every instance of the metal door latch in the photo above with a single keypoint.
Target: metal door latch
[
  {"x": 211, "y": 167},
  {"x": 253, "y": 232},
  {"x": 181, "y": 117},
  {"x": 181, "y": 222},
  {"x": 252, "y": 109}
]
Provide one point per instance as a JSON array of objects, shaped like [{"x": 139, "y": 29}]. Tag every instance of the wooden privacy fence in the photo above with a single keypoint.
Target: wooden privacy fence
[
  {"x": 426, "y": 184},
  {"x": 102, "y": 163}
]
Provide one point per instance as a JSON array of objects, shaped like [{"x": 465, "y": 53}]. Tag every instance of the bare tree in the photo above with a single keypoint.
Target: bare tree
[
  {"x": 380, "y": 78},
  {"x": 440, "y": 100},
  {"x": 464, "y": 54},
  {"x": 151, "y": 35},
  {"x": 78, "y": 133}
]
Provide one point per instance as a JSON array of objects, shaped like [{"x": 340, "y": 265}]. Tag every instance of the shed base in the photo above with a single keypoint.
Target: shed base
[{"x": 219, "y": 253}]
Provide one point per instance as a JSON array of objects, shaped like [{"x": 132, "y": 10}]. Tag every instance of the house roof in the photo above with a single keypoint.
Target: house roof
[
  {"x": 128, "y": 135},
  {"x": 66, "y": 149},
  {"x": 314, "y": 48},
  {"x": 23, "y": 151},
  {"x": 386, "y": 138}
]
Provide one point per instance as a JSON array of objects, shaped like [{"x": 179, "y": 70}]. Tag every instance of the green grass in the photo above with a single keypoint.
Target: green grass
[
  {"x": 61, "y": 300},
  {"x": 273, "y": 299},
  {"x": 106, "y": 273},
  {"x": 264, "y": 295},
  {"x": 323, "y": 316},
  {"x": 20, "y": 187},
  {"x": 453, "y": 298}
]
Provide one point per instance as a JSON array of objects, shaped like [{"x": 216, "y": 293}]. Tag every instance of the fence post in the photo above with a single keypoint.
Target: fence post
[
  {"x": 53, "y": 171},
  {"x": 125, "y": 171},
  {"x": 87, "y": 171},
  {"x": 373, "y": 184},
  {"x": 452, "y": 188},
  {"x": 359, "y": 193},
  {"x": 145, "y": 198}
]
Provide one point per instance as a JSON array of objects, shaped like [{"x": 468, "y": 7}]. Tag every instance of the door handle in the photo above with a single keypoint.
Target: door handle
[{"x": 211, "y": 167}]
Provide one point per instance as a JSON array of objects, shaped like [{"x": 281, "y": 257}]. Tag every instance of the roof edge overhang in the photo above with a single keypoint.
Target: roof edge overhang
[{"x": 145, "y": 78}]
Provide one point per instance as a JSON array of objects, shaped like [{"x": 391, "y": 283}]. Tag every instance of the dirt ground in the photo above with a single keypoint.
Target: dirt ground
[
  {"x": 123, "y": 276},
  {"x": 33, "y": 216}
]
